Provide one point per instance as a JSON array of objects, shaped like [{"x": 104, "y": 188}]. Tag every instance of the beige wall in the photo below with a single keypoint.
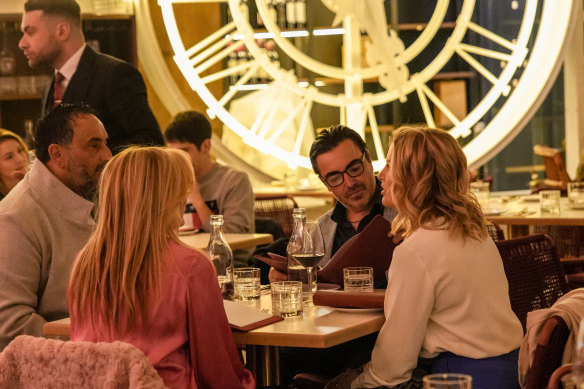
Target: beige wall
[{"x": 193, "y": 26}]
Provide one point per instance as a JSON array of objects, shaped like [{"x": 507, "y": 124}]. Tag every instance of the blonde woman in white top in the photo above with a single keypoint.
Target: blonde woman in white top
[{"x": 447, "y": 305}]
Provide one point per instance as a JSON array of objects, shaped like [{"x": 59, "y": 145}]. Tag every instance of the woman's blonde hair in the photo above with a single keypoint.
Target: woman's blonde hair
[
  {"x": 5, "y": 134},
  {"x": 142, "y": 194},
  {"x": 430, "y": 179}
]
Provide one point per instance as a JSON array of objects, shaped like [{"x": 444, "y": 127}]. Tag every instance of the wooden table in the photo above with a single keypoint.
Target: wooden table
[
  {"x": 268, "y": 192},
  {"x": 236, "y": 241},
  {"x": 319, "y": 327},
  {"x": 521, "y": 212}
]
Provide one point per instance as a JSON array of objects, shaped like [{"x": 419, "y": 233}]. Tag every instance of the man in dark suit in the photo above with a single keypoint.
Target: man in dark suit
[{"x": 52, "y": 35}]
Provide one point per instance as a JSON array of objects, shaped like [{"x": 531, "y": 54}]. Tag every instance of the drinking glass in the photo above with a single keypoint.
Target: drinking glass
[
  {"x": 549, "y": 201},
  {"x": 246, "y": 281},
  {"x": 576, "y": 194},
  {"x": 309, "y": 255},
  {"x": 358, "y": 279},
  {"x": 578, "y": 362},
  {"x": 447, "y": 381},
  {"x": 286, "y": 298},
  {"x": 482, "y": 192}
]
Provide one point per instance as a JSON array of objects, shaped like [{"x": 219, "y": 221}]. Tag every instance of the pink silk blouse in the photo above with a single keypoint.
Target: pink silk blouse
[{"x": 187, "y": 336}]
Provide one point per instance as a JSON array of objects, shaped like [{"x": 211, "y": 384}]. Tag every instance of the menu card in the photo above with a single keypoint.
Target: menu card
[
  {"x": 371, "y": 247},
  {"x": 244, "y": 318}
]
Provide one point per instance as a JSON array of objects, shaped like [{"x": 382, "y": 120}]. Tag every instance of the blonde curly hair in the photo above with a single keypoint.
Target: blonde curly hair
[{"x": 430, "y": 182}]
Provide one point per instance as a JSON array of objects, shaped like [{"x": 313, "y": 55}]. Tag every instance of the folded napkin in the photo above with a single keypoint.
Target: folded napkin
[{"x": 342, "y": 299}]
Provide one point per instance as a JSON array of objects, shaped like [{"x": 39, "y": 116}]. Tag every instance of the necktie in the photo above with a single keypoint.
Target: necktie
[{"x": 58, "y": 89}]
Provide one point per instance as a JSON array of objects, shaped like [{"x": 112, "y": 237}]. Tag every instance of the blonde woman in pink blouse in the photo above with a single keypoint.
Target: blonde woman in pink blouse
[{"x": 136, "y": 282}]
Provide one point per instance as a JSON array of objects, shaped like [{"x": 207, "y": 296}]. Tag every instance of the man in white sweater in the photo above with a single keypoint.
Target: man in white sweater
[
  {"x": 47, "y": 218},
  {"x": 218, "y": 189}
]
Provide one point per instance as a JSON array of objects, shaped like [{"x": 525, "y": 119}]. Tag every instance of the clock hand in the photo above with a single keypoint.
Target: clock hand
[{"x": 383, "y": 48}]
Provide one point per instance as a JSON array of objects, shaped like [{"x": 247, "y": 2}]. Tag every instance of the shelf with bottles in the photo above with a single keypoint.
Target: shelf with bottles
[{"x": 21, "y": 87}]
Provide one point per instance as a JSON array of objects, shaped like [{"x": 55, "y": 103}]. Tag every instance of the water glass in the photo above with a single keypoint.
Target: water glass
[
  {"x": 286, "y": 298},
  {"x": 447, "y": 381},
  {"x": 358, "y": 279},
  {"x": 549, "y": 201},
  {"x": 482, "y": 192},
  {"x": 246, "y": 282},
  {"x": 576, "y": 194}
]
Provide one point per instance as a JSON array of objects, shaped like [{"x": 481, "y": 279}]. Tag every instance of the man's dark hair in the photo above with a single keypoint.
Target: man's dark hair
[
  {"x": 189, "y": 127},
  {"x": 67, "y": 8},
  {"x": 330, "y": 138},
  {"x": 56, "y": 127}
]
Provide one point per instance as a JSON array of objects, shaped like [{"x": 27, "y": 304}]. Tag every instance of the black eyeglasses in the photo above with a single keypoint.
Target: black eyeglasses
[{"x": 354, "y": 169}]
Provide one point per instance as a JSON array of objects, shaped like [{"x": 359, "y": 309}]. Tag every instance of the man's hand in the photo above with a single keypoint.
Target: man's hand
[{"x": 275, "y": 275}]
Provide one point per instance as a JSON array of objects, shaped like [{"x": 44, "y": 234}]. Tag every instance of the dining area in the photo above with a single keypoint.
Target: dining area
[
  {"x": 342, "y": 308},
  {"x": 291, "y": 194}
]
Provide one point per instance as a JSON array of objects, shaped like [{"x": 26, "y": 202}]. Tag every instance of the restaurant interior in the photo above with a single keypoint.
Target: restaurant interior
[{"x": 505, "y": 78}]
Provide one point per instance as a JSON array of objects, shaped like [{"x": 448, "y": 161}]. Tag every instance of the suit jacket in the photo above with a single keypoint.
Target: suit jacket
[{"x": 116, "y": 90}]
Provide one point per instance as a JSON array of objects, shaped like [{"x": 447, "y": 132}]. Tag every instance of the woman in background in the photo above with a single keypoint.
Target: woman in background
[
  {"x": 447, "y": 305},
  {"x": 136, "y": 282},
  {"x": 13, "y": 159}
]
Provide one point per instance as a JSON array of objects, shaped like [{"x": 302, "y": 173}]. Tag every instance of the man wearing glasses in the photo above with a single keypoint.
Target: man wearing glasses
[{"x": 340, "y": 158}]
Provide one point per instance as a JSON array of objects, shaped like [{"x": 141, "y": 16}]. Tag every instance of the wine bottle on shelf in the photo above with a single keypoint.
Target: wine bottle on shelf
[
  {"x": 272, "y": 10},
  {"x": 7, "y": 59},
  {"x": 290, "y": 14},
  {"x": 7, "y": 64},
  {"x": 272, "y": 53},
  {"x": 300, "y": 13},
  {"x": 263, "y": 75},
  {"x": 241, "y": 59},
  {"x": 259, "y": 21},
  {"x": 231, "y": 63},
  {"x": 281, "y": 13}
]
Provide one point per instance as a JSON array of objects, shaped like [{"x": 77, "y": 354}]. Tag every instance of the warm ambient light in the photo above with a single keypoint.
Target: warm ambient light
[{"x": 524, "y": 98}]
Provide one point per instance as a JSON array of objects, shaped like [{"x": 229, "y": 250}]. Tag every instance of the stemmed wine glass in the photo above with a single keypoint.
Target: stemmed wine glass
[{"x": 310, "y": 254}]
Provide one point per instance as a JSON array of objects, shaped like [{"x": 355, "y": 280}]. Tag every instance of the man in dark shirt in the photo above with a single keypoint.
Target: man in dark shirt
[{"x": 340, "y": 158}]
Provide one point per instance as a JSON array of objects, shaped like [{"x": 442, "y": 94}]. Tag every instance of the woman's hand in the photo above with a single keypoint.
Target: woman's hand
[
  {"x": 274, "y": 275},
  {"x": 396, "y": 238}
]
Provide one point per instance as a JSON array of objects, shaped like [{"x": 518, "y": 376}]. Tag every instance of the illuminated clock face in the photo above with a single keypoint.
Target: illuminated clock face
[{"x": 527, "y": 58}]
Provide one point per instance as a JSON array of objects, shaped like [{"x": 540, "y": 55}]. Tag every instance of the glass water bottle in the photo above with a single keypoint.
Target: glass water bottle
[{"x": 221, "y": 256}]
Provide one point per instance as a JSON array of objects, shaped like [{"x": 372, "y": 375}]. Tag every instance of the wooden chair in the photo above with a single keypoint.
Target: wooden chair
[
  {"x": 533, "y": 270},
  {"x": 548, "y": 352},
  {"x": 569, "y": 241},
  {"x": 495, "y": 232},
  {"x": 278, "y": 208},
  {"x": 557, "y": 176}
]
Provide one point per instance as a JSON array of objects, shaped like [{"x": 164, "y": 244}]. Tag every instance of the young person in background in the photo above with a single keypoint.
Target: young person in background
[
  {"x": 136, "y": 282},
  {"x": 218, "y": 189}
]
